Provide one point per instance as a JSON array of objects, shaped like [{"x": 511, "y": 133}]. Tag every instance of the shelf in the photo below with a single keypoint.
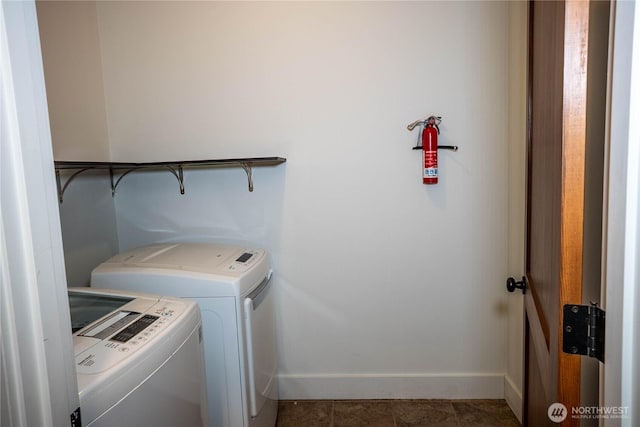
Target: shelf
[{"x": 118, "y": 170}]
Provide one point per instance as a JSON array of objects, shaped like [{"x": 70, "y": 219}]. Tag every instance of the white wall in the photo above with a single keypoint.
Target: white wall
[
  {"x": 378, "y": 275},
  {"x": 386, "y": 287},
  {"x": 88, "y": 220},
  {"x": 72, "y": 60},
  {"x": 73, "y": 75}
]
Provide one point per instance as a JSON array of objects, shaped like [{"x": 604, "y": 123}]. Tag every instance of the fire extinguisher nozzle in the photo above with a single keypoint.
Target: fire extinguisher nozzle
[{"x": 412, "y": 125}]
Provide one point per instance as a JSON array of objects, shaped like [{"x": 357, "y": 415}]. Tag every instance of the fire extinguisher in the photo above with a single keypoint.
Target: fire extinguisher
[
  {"x": 430, "y": 151},
  {"x": 429, "y": 147}
]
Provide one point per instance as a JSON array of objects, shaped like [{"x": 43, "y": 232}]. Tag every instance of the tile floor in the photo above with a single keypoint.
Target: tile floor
[{"x": 395, "y": 413}]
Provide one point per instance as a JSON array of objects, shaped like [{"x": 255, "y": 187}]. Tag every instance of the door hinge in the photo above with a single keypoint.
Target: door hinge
[
  {"x": 583, "y": 330},
  {"x": 76, "y": 419}
]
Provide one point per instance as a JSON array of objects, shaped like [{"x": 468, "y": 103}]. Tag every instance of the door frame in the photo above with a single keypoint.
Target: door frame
[
  {"x": 621, "y": 291},
  {"x": 517, "y": 126},
  {"x": 37, "y": 349}
]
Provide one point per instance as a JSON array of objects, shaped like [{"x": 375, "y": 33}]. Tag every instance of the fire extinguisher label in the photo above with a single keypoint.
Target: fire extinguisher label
[{"x": 430, "y": 164}]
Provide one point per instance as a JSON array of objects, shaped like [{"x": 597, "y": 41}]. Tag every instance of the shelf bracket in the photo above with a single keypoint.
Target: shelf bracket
[
  {"x": 122, "y": 175},
  {"x": 177, "y": 172},
  {"x": 249, "y": 171},
  {"x": 179, "y": 176},
  {"x": 63, "y": 188},
  {"x": 113, "y": 186}
]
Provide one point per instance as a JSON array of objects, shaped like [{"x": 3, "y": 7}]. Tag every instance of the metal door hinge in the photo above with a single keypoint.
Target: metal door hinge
[
  {"x": 583, "y": 330},
  {"x": 76, "y": 419}
]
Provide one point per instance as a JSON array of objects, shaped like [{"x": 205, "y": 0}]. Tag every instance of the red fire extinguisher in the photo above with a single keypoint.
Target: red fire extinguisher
[
  {"x": 429, "y": 147},
  {"x": 430, "y": 151}
]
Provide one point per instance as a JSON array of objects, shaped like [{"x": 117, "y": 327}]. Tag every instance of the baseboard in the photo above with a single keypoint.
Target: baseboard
[
  {"x": 412, "y": 386},
  {"x": 513, "y": 396}
]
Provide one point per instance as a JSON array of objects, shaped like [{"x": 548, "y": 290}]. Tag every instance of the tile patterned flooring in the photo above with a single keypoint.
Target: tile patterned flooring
[{"x": 395, "y": 413}]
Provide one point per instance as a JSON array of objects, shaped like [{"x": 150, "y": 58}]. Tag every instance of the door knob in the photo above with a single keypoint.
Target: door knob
[{"x": 512, "y": 285}]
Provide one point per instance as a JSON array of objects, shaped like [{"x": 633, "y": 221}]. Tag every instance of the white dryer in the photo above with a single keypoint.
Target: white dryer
[
  {"x": 139, "y": 359},
  {"x": 232, "y": 286}
]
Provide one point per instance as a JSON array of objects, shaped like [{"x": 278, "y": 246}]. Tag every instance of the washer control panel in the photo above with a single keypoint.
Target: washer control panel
[{"x": 119, "y": 334}]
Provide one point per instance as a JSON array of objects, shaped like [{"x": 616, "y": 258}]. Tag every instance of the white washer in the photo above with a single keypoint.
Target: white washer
[
  {"x": 139, "y": 359},
  {"x": 232, "y": 286}
]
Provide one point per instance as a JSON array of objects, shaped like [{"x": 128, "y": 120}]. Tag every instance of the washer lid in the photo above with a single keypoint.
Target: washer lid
[
  {"x": 187, "y": 270},
  {"x": 197, "y": 257},
  {"x": 86, "y": 308}
]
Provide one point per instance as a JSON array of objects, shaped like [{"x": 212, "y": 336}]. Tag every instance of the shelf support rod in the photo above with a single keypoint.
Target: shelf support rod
[
  {"x": 114, "y": 186},
  {"x": 179, "y": 176},
  {"x": 177, "y": 172},
  {"x": 249, "y": 171},
  {"x": 58, "y": 186},
  {"x": 67, "y": 182}
]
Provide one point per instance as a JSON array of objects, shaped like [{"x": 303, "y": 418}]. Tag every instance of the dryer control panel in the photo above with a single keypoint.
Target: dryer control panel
[{"x": 244, "y": 261}]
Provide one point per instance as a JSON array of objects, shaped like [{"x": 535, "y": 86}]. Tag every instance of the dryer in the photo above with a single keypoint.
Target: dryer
[
  {"x": 139, "y": 359},
  {"x": 233, "y": 289}
]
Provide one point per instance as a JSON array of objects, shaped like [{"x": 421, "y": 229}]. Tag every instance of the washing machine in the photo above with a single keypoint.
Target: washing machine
[
  {"x": 139, "y": 359},
  {"x": 232, "y": 286}
]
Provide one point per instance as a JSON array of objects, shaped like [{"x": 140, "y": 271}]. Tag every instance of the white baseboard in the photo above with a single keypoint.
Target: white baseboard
[
  {"x": 513, "y": 396},
  {"x": 373, "y": 386}
]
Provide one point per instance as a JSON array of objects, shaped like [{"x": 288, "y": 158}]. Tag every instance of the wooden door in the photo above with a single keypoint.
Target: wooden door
[{"x": 559, "y": 33}]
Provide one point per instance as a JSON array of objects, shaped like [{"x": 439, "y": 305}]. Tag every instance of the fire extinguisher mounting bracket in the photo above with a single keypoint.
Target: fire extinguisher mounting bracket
[{"x": 440, "y": 147}]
